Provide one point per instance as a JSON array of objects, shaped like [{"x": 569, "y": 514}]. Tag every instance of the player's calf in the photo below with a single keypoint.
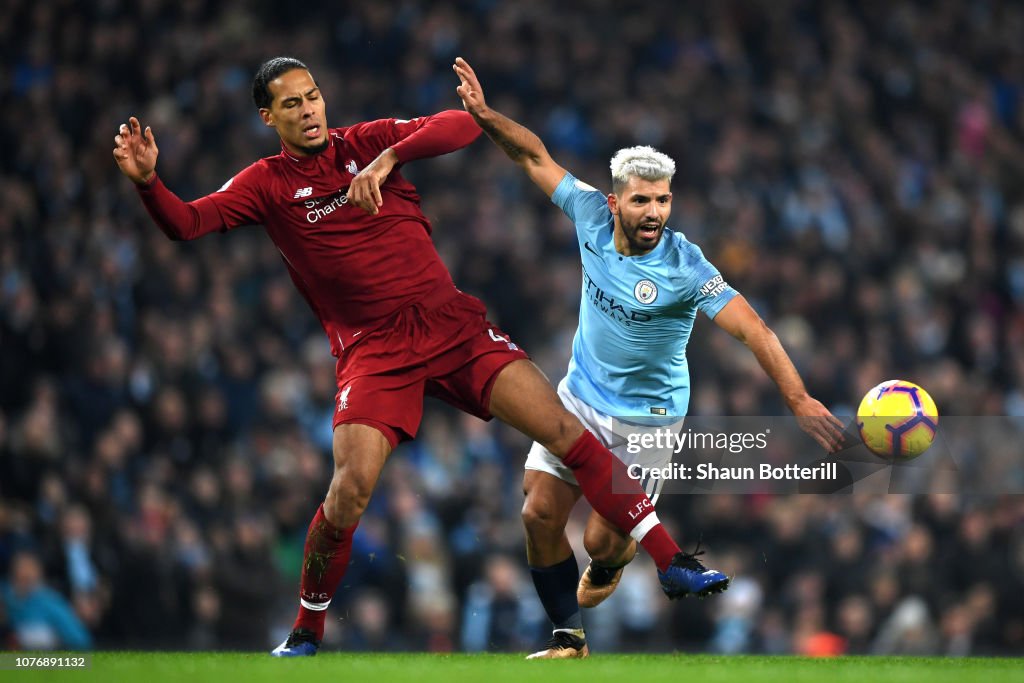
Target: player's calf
[{"x": 602, "y": 576}]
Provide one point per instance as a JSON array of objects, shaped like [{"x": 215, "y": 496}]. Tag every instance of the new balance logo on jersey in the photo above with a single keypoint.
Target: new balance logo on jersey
[
  {"x": 303, "y": 192},
  {"x": 351, "y": 167}
]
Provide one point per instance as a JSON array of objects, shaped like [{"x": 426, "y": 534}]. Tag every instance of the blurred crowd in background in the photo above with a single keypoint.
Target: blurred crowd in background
[{"x": 856, "y": 169}]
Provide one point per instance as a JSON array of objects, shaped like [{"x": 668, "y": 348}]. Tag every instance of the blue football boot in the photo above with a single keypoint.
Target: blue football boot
[
  {"x": 300, "y": 643},
  {"x": 687, "y": 576}
]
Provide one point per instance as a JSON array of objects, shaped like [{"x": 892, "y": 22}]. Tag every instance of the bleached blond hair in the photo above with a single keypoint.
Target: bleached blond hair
[{"x": 643, "y": 162}]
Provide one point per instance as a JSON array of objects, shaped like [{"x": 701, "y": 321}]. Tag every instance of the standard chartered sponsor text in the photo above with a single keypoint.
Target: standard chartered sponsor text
[{"x": 319, "y": 209}]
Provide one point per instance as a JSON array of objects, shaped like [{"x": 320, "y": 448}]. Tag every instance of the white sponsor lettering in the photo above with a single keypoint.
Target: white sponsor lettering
[
  {"x": 639, "y": 508},
  {"x": 714, "y": 286},
  {"x": 320, "y": 209}
]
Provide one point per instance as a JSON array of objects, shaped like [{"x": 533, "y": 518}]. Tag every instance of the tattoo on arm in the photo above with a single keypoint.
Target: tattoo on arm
[
  {"x": 513, "y": 150},
  {"x": 515, "y": 140}
]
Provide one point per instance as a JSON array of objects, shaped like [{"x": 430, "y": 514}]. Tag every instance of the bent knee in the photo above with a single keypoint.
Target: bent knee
[
  {"x": 565, "y": 430},
  {"x": 543, "y": 517}
]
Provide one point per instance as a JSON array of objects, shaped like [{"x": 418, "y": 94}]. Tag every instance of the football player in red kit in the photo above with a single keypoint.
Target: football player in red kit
[{"x": 358, "y": 248}]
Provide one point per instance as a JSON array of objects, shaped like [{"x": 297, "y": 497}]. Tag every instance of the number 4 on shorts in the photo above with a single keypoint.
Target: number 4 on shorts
[{"x": 498, "y": 338}]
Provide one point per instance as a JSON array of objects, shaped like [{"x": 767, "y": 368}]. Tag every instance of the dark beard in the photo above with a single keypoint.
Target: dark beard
[
  {"x": 316, "y": 149},
  {"x": 633, "y": 239}
]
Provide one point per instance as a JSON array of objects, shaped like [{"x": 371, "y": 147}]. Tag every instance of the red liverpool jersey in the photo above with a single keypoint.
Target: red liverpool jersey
[{"x": 354, "y": 269}]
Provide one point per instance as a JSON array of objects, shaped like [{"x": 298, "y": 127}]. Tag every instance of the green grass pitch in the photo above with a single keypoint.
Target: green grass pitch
[{"x": 421, "y": 668}]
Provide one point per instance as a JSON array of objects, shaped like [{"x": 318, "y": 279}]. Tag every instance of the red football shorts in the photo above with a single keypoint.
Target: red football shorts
[{"x": 449, "y": 351}]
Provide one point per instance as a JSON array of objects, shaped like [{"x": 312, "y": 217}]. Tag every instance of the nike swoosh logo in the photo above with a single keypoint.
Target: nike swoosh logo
[{"x": 586, "y": 245}]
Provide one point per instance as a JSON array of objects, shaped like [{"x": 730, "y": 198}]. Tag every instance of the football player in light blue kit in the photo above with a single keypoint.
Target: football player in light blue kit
[{"x": 642, "y": 287}]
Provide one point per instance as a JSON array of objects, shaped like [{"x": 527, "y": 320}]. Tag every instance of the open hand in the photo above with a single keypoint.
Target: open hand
[
  {"x": 469, "y": 87},
  {"x": 135, "y": 151},
  {"x": 819, "y": 423}
]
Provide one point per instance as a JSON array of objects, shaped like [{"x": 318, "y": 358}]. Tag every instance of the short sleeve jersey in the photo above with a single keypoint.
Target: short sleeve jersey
[{"x": 636, "y": 313}]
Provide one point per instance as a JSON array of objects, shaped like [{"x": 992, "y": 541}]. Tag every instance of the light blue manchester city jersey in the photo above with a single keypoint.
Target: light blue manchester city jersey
[{"x": 636, "y": 313}]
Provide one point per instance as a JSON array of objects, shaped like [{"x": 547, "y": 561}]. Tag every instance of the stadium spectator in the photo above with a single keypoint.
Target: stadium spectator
[
  {"x": 40, "y": 617},
  {"x": 369, "y": 629},
  {"x": 500, "y": 614},
  {"x": 7, "y": 639}
]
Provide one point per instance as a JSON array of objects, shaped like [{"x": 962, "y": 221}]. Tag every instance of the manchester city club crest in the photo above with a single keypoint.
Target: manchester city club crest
[{"x": 645, "y": 291}]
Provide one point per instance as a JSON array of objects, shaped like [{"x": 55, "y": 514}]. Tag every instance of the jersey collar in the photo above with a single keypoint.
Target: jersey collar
[
  {"x": 305, "y": 162},
  {"x": 653, "y": 255}
]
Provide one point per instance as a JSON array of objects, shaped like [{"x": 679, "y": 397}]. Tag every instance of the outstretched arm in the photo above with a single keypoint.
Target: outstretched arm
[
  {"x": 421, "y": 138},
  {"x": 740, "y": 320},
  {"x": 518, "y": 142},
  {"x": 135, "y": 152}
]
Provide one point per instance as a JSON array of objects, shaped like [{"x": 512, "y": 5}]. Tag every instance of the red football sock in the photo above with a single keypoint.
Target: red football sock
[
  {"x": 625, "y": 505},
  {"x": 324, "y": 562}
]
